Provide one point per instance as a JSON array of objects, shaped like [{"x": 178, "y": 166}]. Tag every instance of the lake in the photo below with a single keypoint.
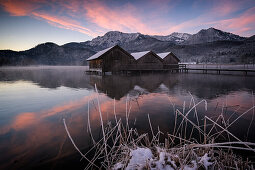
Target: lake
[{"x": 35, "y": 100}]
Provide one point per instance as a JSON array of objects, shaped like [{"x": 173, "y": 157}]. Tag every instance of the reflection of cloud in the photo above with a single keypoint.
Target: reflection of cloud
[
  {"x": 40, "y": 135},
  {"x": 144, "y": 103},
  {"x": 24, "y": 120}
]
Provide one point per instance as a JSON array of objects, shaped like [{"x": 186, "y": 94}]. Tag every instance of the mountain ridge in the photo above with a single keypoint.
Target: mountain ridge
[{"x": 76, "y": 53}]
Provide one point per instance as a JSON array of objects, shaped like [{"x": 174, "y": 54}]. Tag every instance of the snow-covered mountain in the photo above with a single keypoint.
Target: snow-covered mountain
[
  {"x": 211, "y": 35},
  {"x": 114, "y": 37},
  {"x": 205, "y": 35},
  {"x": 206, "y": 45},
  {"x": 174, "y": 37},
  {"x": 183, "y": 36},
  {"x": 129, "y": 41}
]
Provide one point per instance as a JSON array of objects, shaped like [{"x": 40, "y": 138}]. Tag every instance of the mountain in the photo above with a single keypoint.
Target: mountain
[
  {"x": 130, "y": 41},
  {"x": 183, "y": 36},
  {"x": 211, "y": 35},
  {"x": 208, "y": 45},
  {"x": 174, "y": 37},
  {"x": 114, "y": 37},
  {"x": 47, "y": 54}
]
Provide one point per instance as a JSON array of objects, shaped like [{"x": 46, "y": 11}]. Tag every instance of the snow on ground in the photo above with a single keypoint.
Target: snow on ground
[
  {"x": 143, "y": 158},
  {"x": 205, "y": 161},
  {"x": 139, "y": 158}
]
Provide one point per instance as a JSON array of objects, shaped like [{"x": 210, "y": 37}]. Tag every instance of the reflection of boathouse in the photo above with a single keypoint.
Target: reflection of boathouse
[
  {"x": 116, "y": 59},
  {"x": 117, "y": 86}
]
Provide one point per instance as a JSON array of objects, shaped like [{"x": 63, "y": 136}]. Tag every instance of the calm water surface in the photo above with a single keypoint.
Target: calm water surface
[{"x": 34, "y": 101}]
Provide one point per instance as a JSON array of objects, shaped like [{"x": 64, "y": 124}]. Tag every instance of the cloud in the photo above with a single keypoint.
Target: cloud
[
  {"x": 64, "y": 22},
  {"x": 239, "y": 25},
  {"x": 94, "y": 17},
  {"x": 225, "y": 8},
  {"x": 20, "y": 8},
  {"x": 242, "y": 24},
  {"x": 124, "y": 18},
  {"x": 37, "y": 9}
]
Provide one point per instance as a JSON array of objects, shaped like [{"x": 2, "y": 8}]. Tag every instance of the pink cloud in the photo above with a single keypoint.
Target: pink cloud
[
  {"x": 239, "y": 25},
  {"x": 125, "y": 18},
  {"x": 242, "y": 24},
  {"x": 20, "y": 8},
  {"x": 101, "y": 17},
  {"x": 33, "y": 8},
  {"x": 225, "y": 7},
  {"x": 63, "y": 22},
  {"x": 94, "y": 17}
]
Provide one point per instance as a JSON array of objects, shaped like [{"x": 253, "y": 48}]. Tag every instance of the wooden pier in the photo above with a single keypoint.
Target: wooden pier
[
  {"x": 131, "y": 69},
  {"x": 218, "y": 70},
  {"x": 94, "y": 71},
  {"x": 178, "y": 68}
]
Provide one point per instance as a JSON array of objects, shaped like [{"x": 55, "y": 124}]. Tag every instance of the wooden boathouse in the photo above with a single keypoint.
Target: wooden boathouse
[
  {"x": 115, "y": 59},
  {"x": 170, "y": 60},
  {"x": 147, "y": 60}
]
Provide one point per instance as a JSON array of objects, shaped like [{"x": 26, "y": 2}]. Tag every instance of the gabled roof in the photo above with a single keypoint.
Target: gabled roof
[
  {"x": 139, "y": 54},
  {"x": 163, "y": 55},
  {"x": 99, "y": 54}
]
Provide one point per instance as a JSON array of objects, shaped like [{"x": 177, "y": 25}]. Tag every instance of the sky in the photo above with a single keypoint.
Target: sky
[{"x": 26, "y": 23}]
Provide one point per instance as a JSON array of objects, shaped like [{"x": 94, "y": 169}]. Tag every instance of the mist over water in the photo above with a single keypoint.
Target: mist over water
[{"x": 34, "y": 101}]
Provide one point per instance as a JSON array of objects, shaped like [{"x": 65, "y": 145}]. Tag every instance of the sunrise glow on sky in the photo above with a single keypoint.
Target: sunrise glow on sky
[{"x": 27, "y": 23}]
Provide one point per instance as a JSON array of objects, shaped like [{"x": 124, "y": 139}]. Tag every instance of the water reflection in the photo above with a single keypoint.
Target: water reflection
[
  {"x": 204, "y": 86},
  {"x": 34, "y": 101}
]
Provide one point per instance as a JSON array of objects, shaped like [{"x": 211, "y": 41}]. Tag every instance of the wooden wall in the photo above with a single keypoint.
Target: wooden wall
[
  {"x": 96, "y": 64},
  {"x": 169, "y": 62},
  {"x": 116, "y": 60}
]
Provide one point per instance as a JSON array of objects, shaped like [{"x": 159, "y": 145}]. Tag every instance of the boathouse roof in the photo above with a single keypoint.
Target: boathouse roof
[
  {"x": 139, "y": 54},
  {"x": 99, "y": 53},
  {"x": 163, "y": 55}
]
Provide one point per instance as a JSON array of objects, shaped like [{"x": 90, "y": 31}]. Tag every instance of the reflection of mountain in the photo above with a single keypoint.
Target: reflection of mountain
[
  {"x": 49, "y": 77},
  {"x": 204, "y": 86}
]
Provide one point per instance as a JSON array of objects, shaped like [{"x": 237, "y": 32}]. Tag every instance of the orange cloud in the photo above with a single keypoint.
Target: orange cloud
[
  {"x": 20, "y": 8},
  {"x": 34, "y": 8},
  {"x": 226, "y": 7},
  {"x": 24, "y": 120},
  {"x": 63, "y": 22},
  {"x": 125, "y": 18},
  {"x": 238, "y": 25},
  {"x": 93, "y": 17}
]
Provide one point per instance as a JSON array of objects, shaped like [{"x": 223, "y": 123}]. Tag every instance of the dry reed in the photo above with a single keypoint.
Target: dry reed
[{"x": 178, "y": 150}]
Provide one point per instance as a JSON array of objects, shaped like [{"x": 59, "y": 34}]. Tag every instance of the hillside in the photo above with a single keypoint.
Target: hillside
[{"x": 208, "y": 45}]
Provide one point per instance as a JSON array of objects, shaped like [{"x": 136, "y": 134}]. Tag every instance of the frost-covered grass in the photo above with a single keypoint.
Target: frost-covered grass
[{"x": 122, "y": 147}]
